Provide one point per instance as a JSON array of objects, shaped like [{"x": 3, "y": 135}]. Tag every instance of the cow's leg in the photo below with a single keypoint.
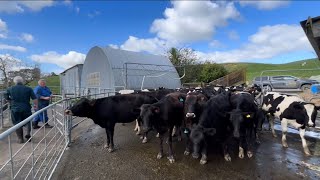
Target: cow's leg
[
  {"x": 160, "y": 154},
  {"x": 107, "y": 145},
  {"x": 170, "y": 157},
  {"x": 241, "y": 147},
  {"x": 110, "y": 132},
  {"x": 271, "y": 124},
  {"x": 304, "y": 142},
  {"x": 226, "y": 154},
  {"x": 188, "y": 145},
  {"x": 144, "y": 137},
  {"x": 204, "y": 157},
  {"x": 284, "y": 126},
  {"x": 250, "y": 136},
  {"x": 174, "y": 131},
  {"x": 136, "y": 127}
]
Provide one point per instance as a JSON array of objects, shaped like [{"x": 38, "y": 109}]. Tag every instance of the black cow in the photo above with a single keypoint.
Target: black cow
[
  {"x": 193, "y": 108},
  {"x": 163, "y": 116},
  {"x": 245, "y": 118},
  {"x": 214, "y": 121},
  {"x": 106, "y": 112},
  {"x": 290, "y": 110}
]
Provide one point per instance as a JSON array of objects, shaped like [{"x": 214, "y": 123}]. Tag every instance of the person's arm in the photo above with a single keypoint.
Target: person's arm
[
  {"x": 38, "y": 94},
  {"x": 35, "y": 100}
]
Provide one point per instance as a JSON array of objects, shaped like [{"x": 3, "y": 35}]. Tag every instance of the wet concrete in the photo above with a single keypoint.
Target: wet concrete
[{"x": 87, "y": 159}]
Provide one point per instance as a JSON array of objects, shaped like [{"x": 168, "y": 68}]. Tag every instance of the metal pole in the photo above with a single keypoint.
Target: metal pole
[
  {"x": 10, "y": 153},
  {"x": 126, "y": 76},
  {"x": 1, "y": 111}
]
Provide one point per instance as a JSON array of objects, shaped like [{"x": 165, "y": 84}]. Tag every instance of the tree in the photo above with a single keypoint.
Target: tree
[
  {"x": 184, "y": 59},
  {"x": 7, "y": 63},
  {"x": 212, "y": 71}
]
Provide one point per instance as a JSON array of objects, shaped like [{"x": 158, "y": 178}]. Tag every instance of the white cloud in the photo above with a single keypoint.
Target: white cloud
[
  {"x": 94, "y": 14},
  {"x": 114, "y": 46},
  {"x": 189, "y": 21},
  {"x": 233, "y": 35},
  {"x": 264, "y": 4},
  {"x": 268, "y": 42},
  {"x": 62, "y": 60},
  {"x": 27, "y": 37},
  {"x": 151, "y": 45},
  {"x": 12, "y": 48},
  {"x": 216, "y": 44},
  {"x": 21, "y": 6},
  {"x": 3, "y": 29}
]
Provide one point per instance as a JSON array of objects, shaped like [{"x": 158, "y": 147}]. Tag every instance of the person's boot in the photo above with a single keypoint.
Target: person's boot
[
  {"x": 35, "y": 125},
  {"x": 28, "y": 137},
  {"x": 19, "y": 133}
]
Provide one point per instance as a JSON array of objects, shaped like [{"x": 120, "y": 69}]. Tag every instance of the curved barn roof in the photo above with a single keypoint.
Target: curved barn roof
[{"x": 115, "y": 68}]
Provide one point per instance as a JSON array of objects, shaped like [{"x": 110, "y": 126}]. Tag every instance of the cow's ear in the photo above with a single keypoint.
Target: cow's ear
[
  {"x": 92, "y": 102},
  {"x": 210, "y": 131}
]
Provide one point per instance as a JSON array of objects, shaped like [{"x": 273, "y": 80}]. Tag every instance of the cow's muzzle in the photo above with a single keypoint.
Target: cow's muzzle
[
  {"x": 190, "y": 115},
  {"x": 68, "y": 112}
]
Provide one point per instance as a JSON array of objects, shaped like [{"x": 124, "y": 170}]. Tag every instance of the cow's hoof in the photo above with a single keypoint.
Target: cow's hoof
[
  {"x": 171, "y": 159},
  {"x": 106, "y": 146},
  {"x": 195, "y": 155},
  {"x": 307, "y": 153},
  {"x": 138, "y": 133},
  {"x": 241, "y": 155},
  {"x": 249, "y": 154},
  {"x": 110, "y": 149},
  {"x": 274, "y": 135},
  {"x": 145, "y": 140},
  {"x": 159, "y": 156},
  {"x": 158, "y": 135},
  {"x": 258, "y": 142},
  {"x": 179, "y": 139},
  {"x": 186, "y": 153},
  {"x": 203, "y": 161},
  {"x": 285, "y": 145},
  {"x": 227, "y": 157}
]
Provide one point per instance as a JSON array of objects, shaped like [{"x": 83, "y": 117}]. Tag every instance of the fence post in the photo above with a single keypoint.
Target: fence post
[
  {"x": 67, "y": 124},
  {"x": 1, "y": 111}
]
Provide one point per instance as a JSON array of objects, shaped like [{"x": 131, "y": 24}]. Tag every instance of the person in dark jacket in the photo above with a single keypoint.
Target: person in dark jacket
[
  {"x": 19, "y": 98},
  {"x": 43, "y": 94}
]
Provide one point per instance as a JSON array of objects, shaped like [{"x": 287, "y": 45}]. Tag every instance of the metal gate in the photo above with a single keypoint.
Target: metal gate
[{"x": 39, "y": 158}]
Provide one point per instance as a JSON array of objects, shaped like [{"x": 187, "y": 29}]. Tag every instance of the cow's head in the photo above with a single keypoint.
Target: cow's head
[
  {"x": 237, "y": 117},
  {"x": 197, "y": 136},
  {"x": 81, "y": 108},
  {"x": 312, "y": 113},
  {"x": 148, "y": 115}
]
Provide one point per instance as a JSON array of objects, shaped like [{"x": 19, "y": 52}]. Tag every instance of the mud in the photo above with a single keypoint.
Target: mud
[{"x": 87, "y": 159}]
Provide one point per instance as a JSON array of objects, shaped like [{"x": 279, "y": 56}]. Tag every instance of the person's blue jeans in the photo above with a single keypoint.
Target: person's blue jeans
[{"x": 43, "y": 116}]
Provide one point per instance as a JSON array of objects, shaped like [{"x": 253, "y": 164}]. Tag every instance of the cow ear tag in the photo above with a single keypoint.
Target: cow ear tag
[
  {"x": 185, "y": 131},
  {"x": 181, "y": 100},
  {"x": 248, "y": 116}
]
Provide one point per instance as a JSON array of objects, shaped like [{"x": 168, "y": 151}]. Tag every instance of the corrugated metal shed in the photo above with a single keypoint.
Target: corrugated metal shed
[
  {"x": 70, "y": 80},
  {"x": 115, "y": 69}
]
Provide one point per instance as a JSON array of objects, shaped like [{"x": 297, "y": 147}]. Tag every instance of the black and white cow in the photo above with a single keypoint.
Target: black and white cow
[
  {"x": 106, "y": 112},
  {"x": 163, "y": 116},
  {"x": 290, "y": 110}
]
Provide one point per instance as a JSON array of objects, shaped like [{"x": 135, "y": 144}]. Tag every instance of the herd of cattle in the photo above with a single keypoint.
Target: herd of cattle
[{"x": 225, "y": 115}]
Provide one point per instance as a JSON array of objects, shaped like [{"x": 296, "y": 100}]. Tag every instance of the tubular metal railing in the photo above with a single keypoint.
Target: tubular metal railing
[{"x": 39, "y": 158}]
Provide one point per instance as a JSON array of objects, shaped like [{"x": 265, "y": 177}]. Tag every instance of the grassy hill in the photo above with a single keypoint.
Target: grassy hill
[
  {"x": 255, "y": 69},
  {"x": 53, "y": 82}
]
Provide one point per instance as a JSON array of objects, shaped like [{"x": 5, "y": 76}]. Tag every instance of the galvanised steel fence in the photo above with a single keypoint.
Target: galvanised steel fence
[{"x": 39, "y": 158}]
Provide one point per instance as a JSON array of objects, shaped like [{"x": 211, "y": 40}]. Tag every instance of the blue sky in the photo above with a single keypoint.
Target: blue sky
[{"x": 58, "y": 34}]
